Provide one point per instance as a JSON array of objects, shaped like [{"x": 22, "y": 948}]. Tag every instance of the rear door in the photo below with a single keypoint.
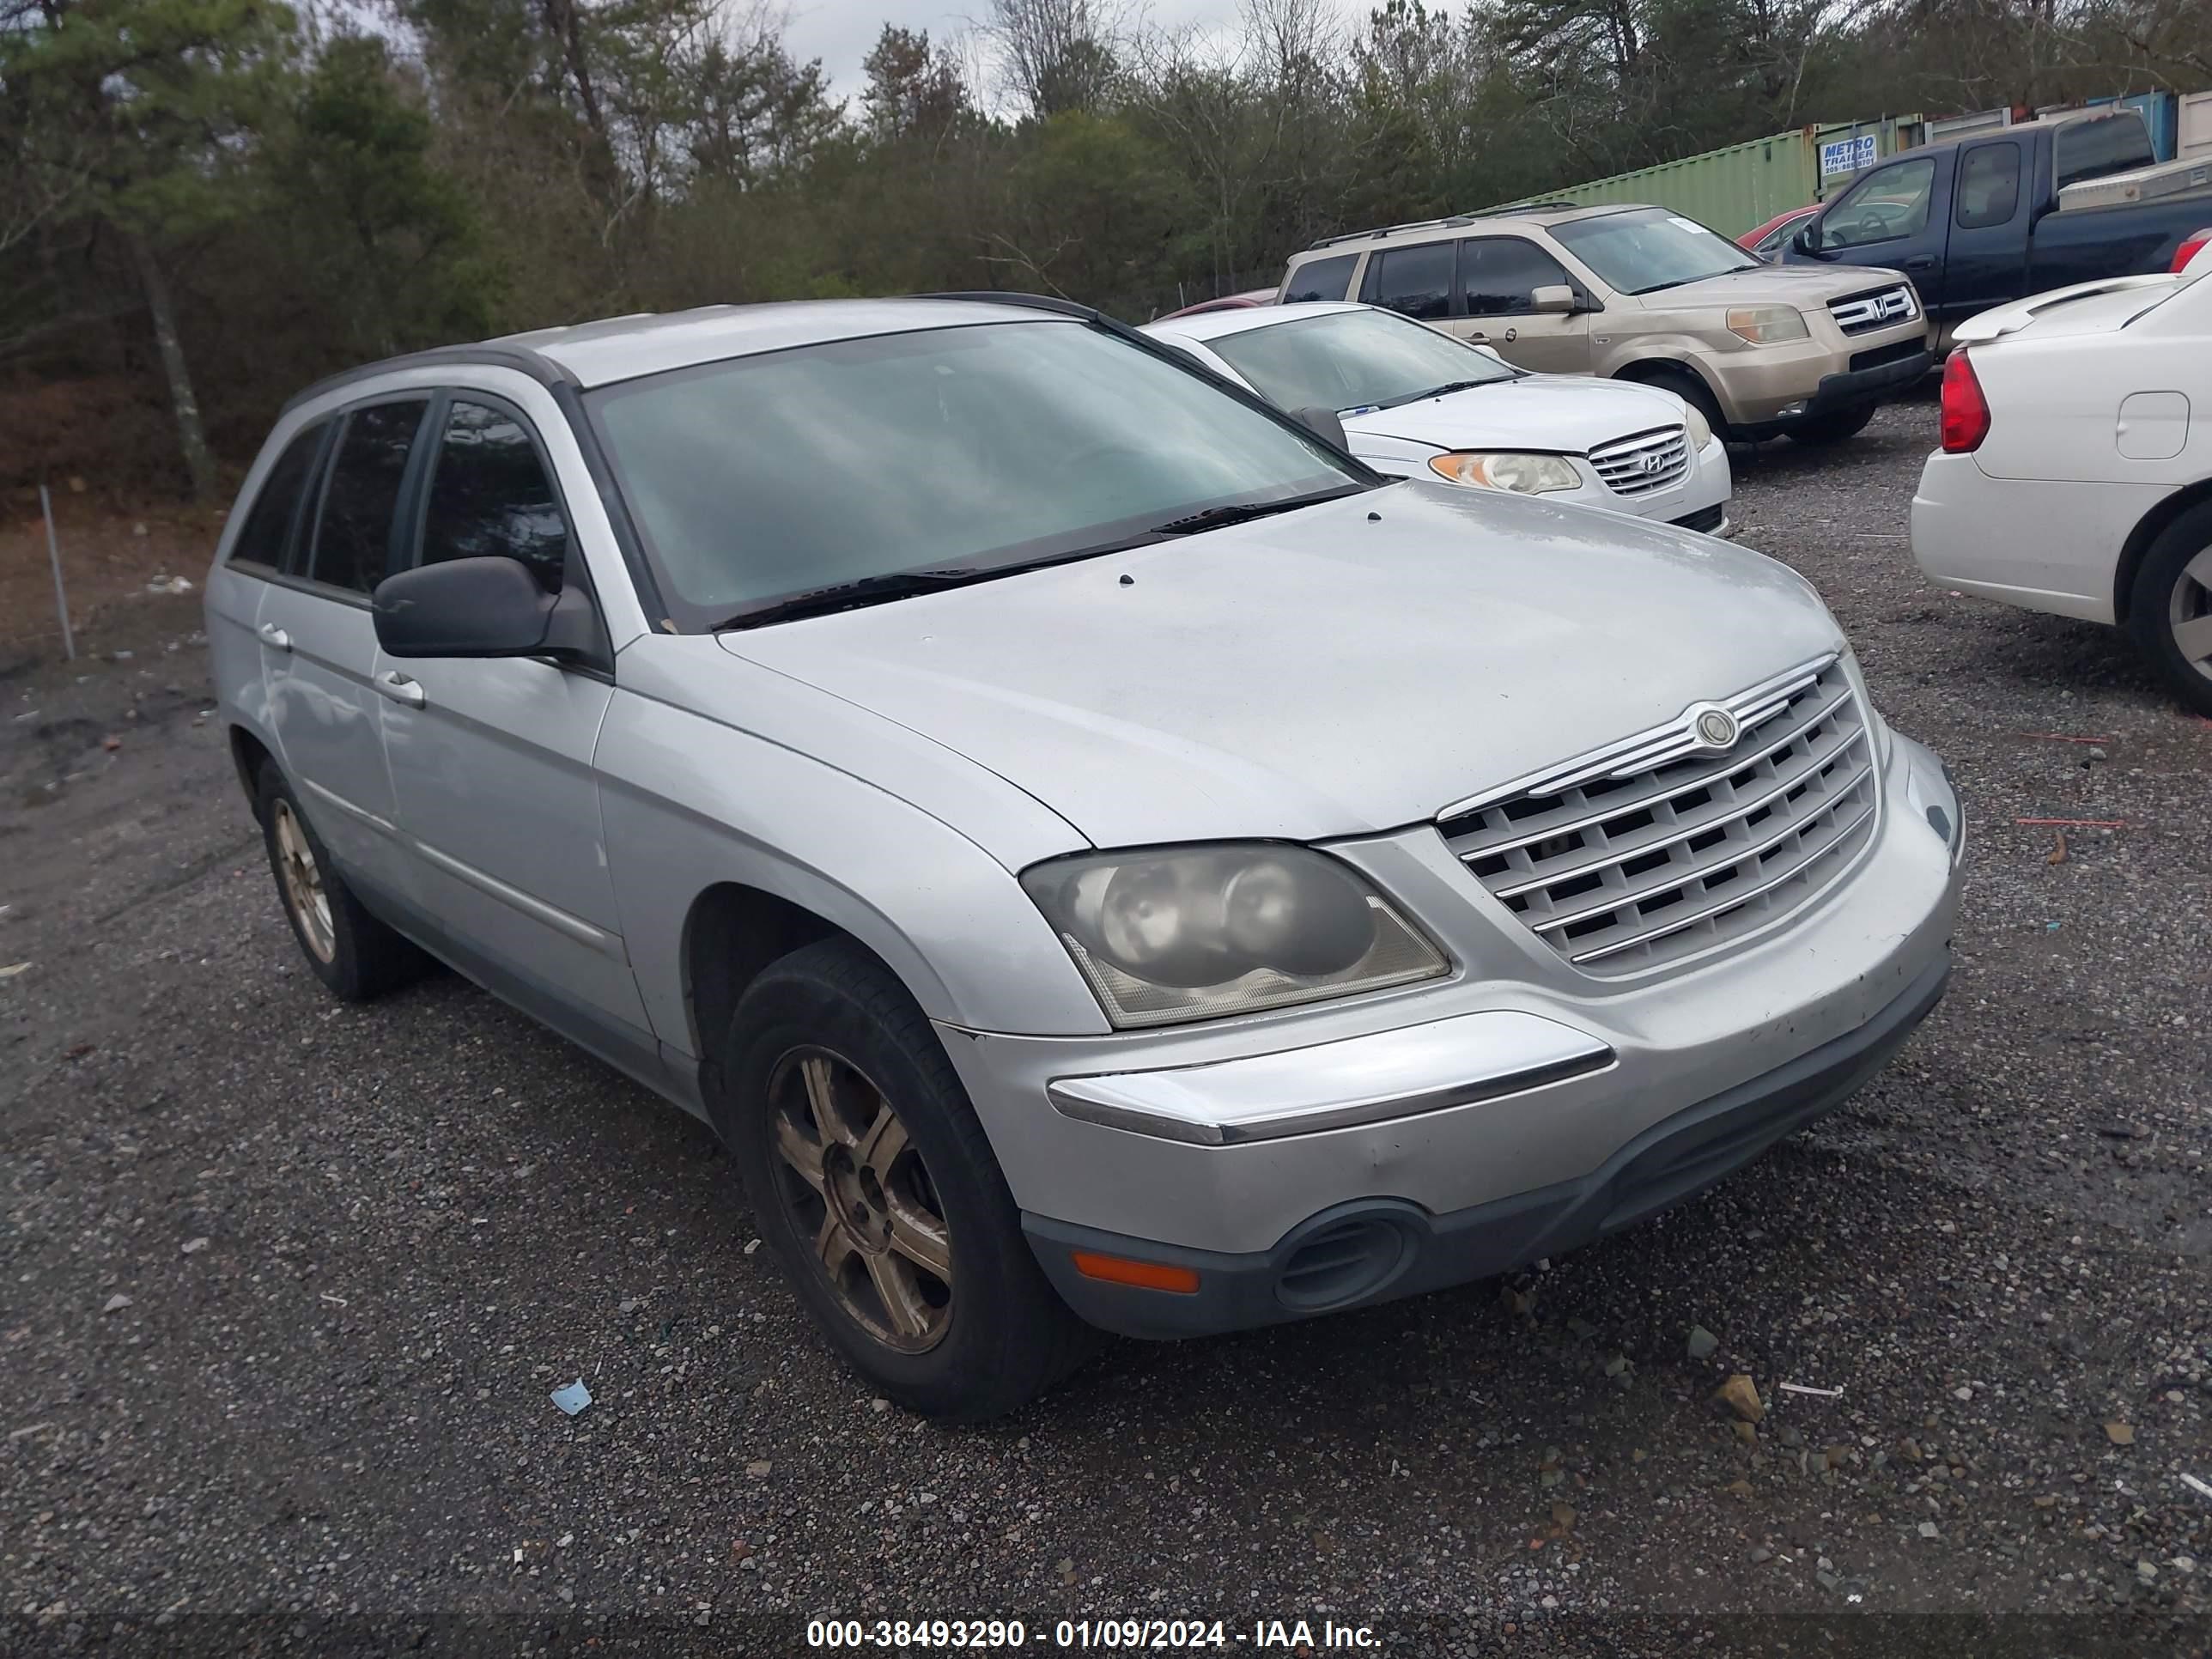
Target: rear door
[
  {"x": 319, "y": 640},
  {"x": 1986, "y": 264},
  {"x": 491, "y": 758},
  {"x": 1414, "y": 280},
  {"x": 1497, "y": 277}
]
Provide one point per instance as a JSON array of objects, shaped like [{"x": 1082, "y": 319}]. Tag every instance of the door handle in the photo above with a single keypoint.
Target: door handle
[
  {"x": 275, "y": 637},
  {"x": 400, "y": 689},
  {"x": 1476, "y": 336},
  {"x": 1921, "y": 262}
]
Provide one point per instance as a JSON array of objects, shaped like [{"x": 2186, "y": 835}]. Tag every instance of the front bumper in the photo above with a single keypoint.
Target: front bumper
[
  {"x": 1491, "y": 1117},
  {"x": 1378, "y": 1249},
  {"x": 1763, "y": 388},
  {"x": 1853, "y": 387}
]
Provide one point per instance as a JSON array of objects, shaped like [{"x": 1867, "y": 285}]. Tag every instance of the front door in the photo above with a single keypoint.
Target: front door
[
  {"x": 491, "y": 758},
  {"x": 1889, "y": 219},
  {"x": 1498, "y": 278},
  {"x": 318, "y": 643}
]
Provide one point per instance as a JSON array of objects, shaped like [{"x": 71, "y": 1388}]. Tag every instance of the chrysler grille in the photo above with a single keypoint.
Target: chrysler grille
[
  {"x": 1654, "y": 848},
  {"x": 1863, "y": 311},
  {"x": 1639, "y": 464}
]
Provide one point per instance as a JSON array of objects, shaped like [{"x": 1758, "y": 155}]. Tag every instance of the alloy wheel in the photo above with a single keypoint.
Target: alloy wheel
[
  {"x": 303, "y": 884},
  {"x": 2189, "y": 613},
  {"x": 856, "y": 1190}
]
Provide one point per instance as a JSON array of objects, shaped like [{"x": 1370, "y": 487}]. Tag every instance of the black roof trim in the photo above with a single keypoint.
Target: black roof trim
[
  {"x": 539, "y": 366},
  {"x": 1032, "y": 301}
]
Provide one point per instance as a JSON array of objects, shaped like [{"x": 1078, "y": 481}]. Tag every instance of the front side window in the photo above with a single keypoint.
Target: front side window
[
  {"x": 762, "y": 478},
  {"x": 1353, "y": 359},
  {"x": 1320, "y": 279},
  {"x": 490, "y": 495},
  {"x": 353, "y": 541},
  {"x": 1415, "y": 280},
  {"x": 265, "y": 537},
  {"x": 1888, "y": 205},
  {"x": 1989, "y": 185},
  {"x": 1500, "y": 275},
  {"x": 1644, "y": 250}
]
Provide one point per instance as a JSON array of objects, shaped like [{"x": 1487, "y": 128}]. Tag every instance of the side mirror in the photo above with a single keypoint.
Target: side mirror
[
  {"x": 484, "y": 607},
  {"x": 1555, "y": 297},
  {"x": 1323, "y": 423},
  {"x": 1803, "y": 240}
]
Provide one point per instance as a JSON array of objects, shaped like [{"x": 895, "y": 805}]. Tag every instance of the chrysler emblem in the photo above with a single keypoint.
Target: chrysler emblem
[{"x": 1716, "y": 727}]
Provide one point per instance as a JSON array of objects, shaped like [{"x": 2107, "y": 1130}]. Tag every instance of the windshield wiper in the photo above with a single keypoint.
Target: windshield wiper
[
  {"x": 847, "y": 595},
  {"x": 1444, "y": 390},
  {"x": 1214, "y": 517}
]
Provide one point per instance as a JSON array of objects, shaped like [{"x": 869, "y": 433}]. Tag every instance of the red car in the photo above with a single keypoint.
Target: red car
[
  {"x": 1255, "y": 296},
  {"x": 1771, "y": 237}
]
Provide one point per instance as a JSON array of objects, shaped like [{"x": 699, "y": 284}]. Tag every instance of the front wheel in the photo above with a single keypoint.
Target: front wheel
[
  {"x": 2170, "y": 608},
  {"x": 1832, "y": 428},
  {"x": 870, "y": 1175}
]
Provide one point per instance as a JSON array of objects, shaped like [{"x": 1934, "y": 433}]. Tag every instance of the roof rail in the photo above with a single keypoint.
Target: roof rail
[
  {"x": 1524, "y": 207},
  {"x": 1392, "y": 230}
]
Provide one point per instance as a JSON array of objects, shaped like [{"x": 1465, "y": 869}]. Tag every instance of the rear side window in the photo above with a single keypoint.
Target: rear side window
[
  {"x": 1416, "y": 281},
  {"x": 490, "y": 495},
  {"x": 1989, "y": 185},
  {"x": 2101, "y": 145},
  {"x": 1320, "y": 279},
  {"x": 1500, "y": 275},
  {"x": 265, "y": 537},
  {"x": 353, "y": 542}
]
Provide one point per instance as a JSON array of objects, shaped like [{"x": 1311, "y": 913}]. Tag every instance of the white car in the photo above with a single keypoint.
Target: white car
[
  {"x": 2076, "y": 471},
  {"x": 1417, "y": 403}
]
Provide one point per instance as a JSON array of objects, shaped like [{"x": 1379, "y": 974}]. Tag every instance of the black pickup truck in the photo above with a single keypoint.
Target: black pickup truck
[{"x": 1974, "y": 220}]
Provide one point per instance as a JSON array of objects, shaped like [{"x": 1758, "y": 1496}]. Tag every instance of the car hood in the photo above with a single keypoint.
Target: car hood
[
  {"x": 1351, "y": 667},
  {"x": 1806, "y": 287},
  {"x": 1536, "y": 411}
]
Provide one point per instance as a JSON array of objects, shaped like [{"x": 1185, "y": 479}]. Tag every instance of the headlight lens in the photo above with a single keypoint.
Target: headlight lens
[
  {"x": 1206, "y": 932},
  {"x": 1701, "y": 429},
  {"x": 1531, "y": 475},
  {"x": 1766, "y": 325}
]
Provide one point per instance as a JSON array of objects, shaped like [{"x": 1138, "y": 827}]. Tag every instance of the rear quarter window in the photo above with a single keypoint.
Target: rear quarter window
[
  {"x": 1320, "y": 279},
  {"x": 265, "y": 537}
]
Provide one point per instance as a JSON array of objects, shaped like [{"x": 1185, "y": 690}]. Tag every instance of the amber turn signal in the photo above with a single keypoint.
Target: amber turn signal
[{"x": 1144, "y": 1275}]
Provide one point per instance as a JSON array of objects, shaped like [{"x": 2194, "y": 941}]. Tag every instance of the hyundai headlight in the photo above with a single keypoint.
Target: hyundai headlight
[
  {"x": 1530, "y": 475},
  {"x": 1206, "y": 932},
  {"x": 1700, "y": 428},
  {"x": 1767, "y": 324}
]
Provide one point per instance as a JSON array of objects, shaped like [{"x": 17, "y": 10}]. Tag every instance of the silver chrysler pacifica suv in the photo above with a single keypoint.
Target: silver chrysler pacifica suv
[{"x": 1099, "y": 856}]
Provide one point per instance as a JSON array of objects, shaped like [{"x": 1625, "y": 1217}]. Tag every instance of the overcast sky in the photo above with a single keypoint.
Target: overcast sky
[{"x": 840, "y": 32}]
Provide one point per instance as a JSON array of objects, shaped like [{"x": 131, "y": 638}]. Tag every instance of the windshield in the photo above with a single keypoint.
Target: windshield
[
  {"x": 994, "y": 445},
  {"x": 1649, "y": 248},
  {"x": 1352, "y": 359}
]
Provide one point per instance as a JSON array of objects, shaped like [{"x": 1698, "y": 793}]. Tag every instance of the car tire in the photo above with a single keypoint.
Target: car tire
[
  {"x": 2173, "y": 593},
  {"x": 1685, "y": 384},
  {"x": 356, "y": 955},
  {"x": 1823, "y": 429},
  {"x": 870, "y": 1175}
]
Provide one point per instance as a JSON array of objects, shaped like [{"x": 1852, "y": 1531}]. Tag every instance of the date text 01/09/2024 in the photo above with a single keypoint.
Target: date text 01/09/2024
[{"x": 1139, "y": 1635}]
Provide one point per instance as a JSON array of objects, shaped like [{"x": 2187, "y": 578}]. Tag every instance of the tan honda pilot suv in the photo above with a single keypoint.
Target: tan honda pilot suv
[{"x": 1644, "y": 293}]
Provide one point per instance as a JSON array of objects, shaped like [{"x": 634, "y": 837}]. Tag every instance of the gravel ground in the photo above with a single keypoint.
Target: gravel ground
[{"x": 287, "y": 1283}]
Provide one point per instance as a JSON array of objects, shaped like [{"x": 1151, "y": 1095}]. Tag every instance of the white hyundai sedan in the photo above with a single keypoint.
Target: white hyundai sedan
[
  {"x": 2076, "y": 470},
  {"x": 1417, "y": 403}
]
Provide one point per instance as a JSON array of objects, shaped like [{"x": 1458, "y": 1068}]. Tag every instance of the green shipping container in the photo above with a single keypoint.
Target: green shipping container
[{"x": 1741, "y": 187}]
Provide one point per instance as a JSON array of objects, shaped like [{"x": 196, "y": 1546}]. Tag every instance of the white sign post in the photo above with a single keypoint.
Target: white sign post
[{"x": 54, "y": 555}]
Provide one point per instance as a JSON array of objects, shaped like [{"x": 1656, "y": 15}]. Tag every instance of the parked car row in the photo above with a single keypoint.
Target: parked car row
[{"x": 1103, "y": 851}]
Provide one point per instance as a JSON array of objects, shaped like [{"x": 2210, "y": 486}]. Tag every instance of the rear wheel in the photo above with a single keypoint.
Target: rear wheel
[
  {"x": 870, "y": 1175},
  {"x": 2170, "y": 608},
  {"x": 1832, "y": 428},
  {"x": 356, "y": 955}
]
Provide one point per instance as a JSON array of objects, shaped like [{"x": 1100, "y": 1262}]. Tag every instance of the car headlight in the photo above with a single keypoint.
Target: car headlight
[
  {"x": 1700, "y": 428},
  {"x": 1531, "y": 475},
  {"x": 1207, "y": 932},
  {"x": 1766, "y": 325}
]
